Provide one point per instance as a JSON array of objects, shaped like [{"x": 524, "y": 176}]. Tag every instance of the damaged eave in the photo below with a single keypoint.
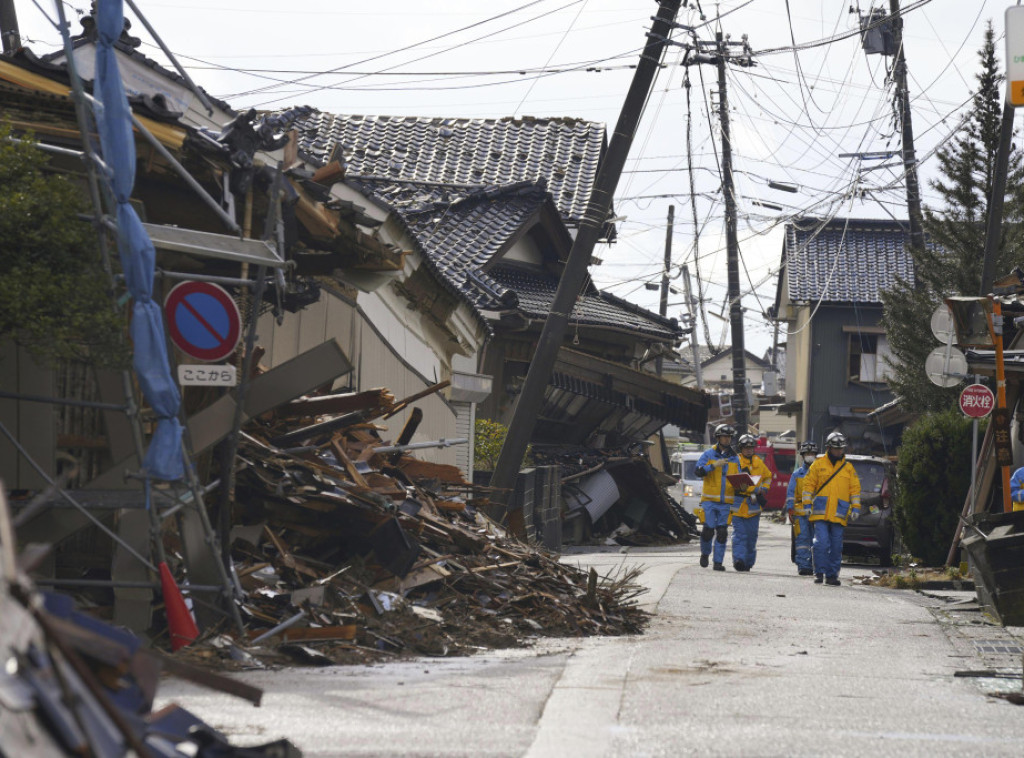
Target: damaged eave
[
  {"x": 661, "y": 399},
  {"x": 168, "y": 135},
  {"x": 339, "y": 243}
]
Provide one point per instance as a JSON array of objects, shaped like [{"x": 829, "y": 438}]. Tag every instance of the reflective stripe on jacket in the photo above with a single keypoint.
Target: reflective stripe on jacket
[
  {"x": 745, "y": 503},
  {"x": 716, "y": 487},
  {"x": 795, "y": 492},
  {"x": 838, "y": 498}
]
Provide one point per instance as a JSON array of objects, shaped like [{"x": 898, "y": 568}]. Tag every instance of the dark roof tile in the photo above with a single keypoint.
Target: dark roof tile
[
  {"x": 565, "y": 152},
  {"x": 845, "y": 260}
]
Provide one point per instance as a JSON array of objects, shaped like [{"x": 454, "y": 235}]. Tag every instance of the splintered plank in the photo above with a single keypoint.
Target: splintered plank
[{"x": 345, "y": 461}]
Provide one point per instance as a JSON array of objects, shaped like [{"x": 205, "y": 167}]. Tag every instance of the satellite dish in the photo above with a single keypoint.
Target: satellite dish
[
  {"x": 946, "y": 366},
  {"x": 942, "y": 324}
]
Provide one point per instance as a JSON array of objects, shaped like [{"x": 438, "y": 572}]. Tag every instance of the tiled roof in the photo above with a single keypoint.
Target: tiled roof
[
  {"x": 564, "y": 152},
  {"x": 844, "y": 260},
  {"x": 537, "y": 293},
  {"x": 462, "y": 229}
]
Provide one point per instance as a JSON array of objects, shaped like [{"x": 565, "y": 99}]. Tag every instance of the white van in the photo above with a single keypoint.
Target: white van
[{"x": 688, "y": 490}]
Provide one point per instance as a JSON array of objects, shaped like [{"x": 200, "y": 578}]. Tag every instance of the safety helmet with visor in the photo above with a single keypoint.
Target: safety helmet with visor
[
  {"x": 746, "y": 440},
  {"x": 836, "y": 440},
  {"x": 725, "y": 430}
]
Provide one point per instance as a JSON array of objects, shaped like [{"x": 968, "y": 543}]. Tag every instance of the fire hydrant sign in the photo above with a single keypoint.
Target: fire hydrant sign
[
  {"x": 203, "y": 320},
  {"x": 977, "y": 401},
  {"x": 1015, "y": 55}
]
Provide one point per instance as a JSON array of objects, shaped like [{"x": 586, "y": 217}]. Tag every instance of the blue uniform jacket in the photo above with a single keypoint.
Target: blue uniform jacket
[{"x": 716, "y": 487}]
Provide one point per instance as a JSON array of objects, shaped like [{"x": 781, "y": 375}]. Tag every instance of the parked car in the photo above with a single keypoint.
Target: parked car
[
  {"x": 873, "y": 533},
  {"x": 689, "y": 487}
]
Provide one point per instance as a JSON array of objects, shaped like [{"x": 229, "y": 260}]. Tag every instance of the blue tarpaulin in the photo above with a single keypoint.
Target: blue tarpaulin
[{"x": 164, "y": 459}]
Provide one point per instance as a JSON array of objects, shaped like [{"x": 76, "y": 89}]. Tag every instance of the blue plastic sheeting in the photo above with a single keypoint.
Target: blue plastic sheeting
[{"x": 164, "y": 459}]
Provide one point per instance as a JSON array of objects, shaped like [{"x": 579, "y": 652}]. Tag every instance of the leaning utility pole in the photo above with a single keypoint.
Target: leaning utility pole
[
  {"x": 531, "y": 398},
  {"x": 9, "y": 27},
  {"x": 906, "y": 125}
]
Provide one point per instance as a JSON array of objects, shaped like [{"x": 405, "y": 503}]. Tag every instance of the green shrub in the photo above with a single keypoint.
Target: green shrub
[
  {"x": 488, "y": 438},
  {"x": 54, "y": 292},
  {"x": 933, "y": 479}
]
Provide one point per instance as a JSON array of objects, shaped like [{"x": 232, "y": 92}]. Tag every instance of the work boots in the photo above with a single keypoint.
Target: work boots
[
  {"x": 819, "y": 578},
  {"x": 703, "y": 561},
  {"x": 719, "y": 567}
]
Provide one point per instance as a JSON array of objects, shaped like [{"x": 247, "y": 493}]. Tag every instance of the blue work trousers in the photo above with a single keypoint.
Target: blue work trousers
[
  {"x": 715, "y": 515},
  {"x": 744, "y": 539},
  {"x": 803, "y": 542},
  {"x": 828, "y": 547}
]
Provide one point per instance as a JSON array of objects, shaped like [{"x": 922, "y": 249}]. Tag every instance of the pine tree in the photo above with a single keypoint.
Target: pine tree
[{"x": 952, "y": 263}]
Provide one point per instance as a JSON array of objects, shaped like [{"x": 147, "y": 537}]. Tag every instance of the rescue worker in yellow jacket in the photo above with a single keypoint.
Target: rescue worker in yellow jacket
[
  {"x": 797, "y": 514},
  {"x": 746, "y": 506},
  {"x": 831, "y": 491},
  {"x": 717, "y": 494}
]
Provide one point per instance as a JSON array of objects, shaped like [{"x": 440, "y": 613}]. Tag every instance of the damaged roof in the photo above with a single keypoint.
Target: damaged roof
[
  {"x": 464, "y": 229},
  {"x": 564, "y": 152},
  {"x": 845, "y": 260}
]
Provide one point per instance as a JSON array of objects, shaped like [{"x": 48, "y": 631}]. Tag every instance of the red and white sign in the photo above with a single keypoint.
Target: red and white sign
[
  {"x": 203, "y": 320},
  {"x": 977, "y": 401}
]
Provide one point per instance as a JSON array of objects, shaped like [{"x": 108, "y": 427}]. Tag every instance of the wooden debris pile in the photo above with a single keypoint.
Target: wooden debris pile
[{"x": 347, "y": 553}]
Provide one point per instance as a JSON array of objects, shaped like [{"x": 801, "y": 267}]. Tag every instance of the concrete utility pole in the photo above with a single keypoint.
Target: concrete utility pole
[
  {"x": 9, "y": 27},
  {"x": 531, "y": 399},
  {"x": 903, "y": 107},
  {"x": 719, "y": 57},
  {"x": 663, "y": 305},
  {"x": 739, "y": 365},
  {"x": 993, "y": 230},
  {"x": 697, "y": 371}
]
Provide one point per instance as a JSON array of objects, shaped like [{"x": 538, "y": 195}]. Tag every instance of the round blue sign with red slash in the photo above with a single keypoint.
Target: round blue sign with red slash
[{"x": 203, "y": 320}]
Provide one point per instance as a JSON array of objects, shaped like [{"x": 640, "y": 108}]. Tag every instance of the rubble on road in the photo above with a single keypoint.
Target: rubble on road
[{"x": 349, "y": 554}]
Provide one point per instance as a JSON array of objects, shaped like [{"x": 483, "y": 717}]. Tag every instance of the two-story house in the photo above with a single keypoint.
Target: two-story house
[{"x": 828, "y": 298}]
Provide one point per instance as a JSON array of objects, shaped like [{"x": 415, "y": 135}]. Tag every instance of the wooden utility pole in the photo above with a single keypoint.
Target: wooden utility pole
[{"x": 531, "y": 399}]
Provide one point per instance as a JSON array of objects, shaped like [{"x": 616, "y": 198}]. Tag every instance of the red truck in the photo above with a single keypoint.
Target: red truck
[{"x": 780, "y": 457}]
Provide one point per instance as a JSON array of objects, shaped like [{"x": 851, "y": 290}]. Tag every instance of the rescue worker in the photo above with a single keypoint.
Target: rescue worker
[
  {"x": 831, "y": 491},
  {"x": 746, "y": 506},
  {"x": 716, "y": 494},
  {"x": 1017, "y": 489},
  {"x": 797, "y": 514}
]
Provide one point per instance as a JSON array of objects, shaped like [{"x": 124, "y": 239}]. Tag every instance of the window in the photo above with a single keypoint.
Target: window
[{"x": 869, "y": 358}]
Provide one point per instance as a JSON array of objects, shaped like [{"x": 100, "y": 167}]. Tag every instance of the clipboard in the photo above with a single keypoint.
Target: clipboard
[{"x": 742, "y": 480}]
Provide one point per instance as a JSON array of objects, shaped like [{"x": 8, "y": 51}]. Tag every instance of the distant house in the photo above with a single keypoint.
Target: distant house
[{"x": 828, "y": 298}]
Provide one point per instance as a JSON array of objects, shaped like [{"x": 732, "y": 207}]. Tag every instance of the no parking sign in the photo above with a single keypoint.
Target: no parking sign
[{"x": 203, "y": 320}]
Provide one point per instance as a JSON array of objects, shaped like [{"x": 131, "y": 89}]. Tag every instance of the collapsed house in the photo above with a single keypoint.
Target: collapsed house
[{"x": 346, "y": 282}]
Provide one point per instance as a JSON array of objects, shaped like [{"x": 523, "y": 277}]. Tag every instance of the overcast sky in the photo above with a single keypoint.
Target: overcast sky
[{"x": 812, "y": 97}]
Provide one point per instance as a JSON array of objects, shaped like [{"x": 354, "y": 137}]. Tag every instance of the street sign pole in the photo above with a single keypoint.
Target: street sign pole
[{"x": 1001, "y": 432}]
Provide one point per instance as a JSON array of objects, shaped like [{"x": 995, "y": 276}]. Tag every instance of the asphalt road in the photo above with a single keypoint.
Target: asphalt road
[{"x": 764, "y": 663}]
